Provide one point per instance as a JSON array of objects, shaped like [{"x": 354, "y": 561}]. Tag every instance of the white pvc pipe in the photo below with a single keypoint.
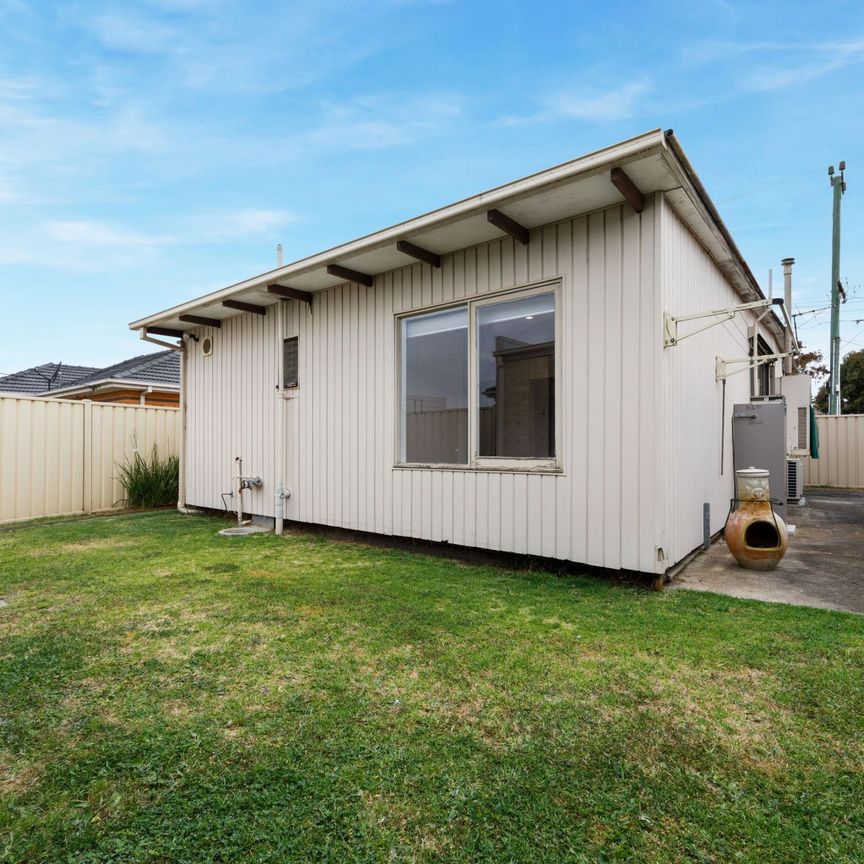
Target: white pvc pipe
[
  {"x": 181, "y": 444},
  {"x": 754, "y": 351},
  {"x": 279, "y": 455},
  {"x": 238, "y": 489}
]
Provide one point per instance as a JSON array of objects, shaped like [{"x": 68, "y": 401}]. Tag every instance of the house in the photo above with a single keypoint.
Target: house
[
  {"x": 149, "y": 379},
  {"x": 510, "y": 372},
  {"x": 44, "y": 379}
]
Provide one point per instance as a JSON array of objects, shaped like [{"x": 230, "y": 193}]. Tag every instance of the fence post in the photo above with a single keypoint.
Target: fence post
[{"x": 87, "y": 503}]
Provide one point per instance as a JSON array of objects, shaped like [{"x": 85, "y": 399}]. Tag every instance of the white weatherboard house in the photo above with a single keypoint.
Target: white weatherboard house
[{"x": 497, "y": 373}]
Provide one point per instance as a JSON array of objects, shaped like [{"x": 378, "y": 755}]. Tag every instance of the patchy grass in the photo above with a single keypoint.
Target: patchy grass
[{"x": 167, "y": 695}]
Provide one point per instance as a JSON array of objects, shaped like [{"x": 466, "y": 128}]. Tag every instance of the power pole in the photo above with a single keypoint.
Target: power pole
[{"x": 839, "y": 186}]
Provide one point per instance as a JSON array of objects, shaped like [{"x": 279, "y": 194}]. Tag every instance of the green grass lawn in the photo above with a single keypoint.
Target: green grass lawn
[{"x": 168, "y": 695}]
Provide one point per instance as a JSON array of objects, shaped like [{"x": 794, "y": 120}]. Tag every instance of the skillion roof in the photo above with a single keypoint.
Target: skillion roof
[{"x": 626, "y": 171}]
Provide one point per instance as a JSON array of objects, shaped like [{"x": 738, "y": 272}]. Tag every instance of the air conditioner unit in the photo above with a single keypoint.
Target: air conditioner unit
[{"x": 795, "y": 480}]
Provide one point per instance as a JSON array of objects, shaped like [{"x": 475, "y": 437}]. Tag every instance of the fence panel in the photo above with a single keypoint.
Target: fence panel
[
  {"x": 59, "y": 456},
  {"x": 841, "y": 452}
]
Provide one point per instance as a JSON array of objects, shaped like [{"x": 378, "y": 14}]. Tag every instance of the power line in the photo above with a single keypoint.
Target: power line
[
  {"x": 810, "y": 311},
  {"x": 769, "y": 186}
]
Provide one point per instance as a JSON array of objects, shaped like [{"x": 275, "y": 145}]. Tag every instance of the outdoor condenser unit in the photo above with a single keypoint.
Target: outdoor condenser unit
[
  {"x": 795, "y": 480},
  {"x": 759, "y": 441}
]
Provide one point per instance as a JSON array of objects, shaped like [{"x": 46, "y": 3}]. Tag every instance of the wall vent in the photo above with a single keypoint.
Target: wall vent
[
  {"x": 207, "y": 346},
  {"x": 803, "y": 426}
]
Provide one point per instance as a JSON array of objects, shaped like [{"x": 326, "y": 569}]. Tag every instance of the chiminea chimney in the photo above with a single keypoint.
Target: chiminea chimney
[{"x": 787, "y": 302}]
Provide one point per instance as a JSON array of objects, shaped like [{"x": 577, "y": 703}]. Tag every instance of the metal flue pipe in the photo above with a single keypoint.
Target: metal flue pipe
[{"x": 787, "y": 302}]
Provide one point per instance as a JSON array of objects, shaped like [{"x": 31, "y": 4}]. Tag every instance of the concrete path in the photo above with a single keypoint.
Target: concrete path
[{"x": 824, "y": 566}]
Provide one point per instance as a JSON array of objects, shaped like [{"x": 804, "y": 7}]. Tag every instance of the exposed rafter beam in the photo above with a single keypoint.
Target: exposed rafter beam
[
  {"x": 628, "y": 189},
  {"x": 204, "y": 322},
  {"x": 350, "y": 275},
  {"x": 165, "y": 331},
  {"x": 290, "y": 293},
  {"x": 240, "y": 306},
  {"x": 418, "y": 252},
  {"x": 508, "y": 225}
]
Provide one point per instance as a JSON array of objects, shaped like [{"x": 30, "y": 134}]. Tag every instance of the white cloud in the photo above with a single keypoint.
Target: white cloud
[
  {"x": 264, "y": 49},
  {"x": 825, "y": 59},
  {"x": 796, "y": 62},
  {"x": 133, "y": 33},
  {"x": 226, "y": 224},
  {"x": 598, "y": 107},
  {"x": 90, "y": 245},
  {"x": 376, "y": 122},
  {"x": 85, "y": 232}
]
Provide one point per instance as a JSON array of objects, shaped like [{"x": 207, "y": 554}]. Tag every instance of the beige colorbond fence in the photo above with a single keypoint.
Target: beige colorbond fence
[
  {"x": 841, "y": 452},
  {"x": 59, "y": 457}
]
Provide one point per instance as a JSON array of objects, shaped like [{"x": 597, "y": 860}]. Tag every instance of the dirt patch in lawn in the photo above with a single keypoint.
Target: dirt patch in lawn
[
  {"x": 733, "y": 707},
  {"x": 96, "y": 544},
  {"x": 16, "y": 775}
]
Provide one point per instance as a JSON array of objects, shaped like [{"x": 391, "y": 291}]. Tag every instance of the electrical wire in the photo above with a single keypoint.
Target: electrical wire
[{"x": 770, "y": 186}]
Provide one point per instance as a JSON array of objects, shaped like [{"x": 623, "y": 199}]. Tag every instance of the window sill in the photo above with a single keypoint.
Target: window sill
[{"x": 510, "y": 467}]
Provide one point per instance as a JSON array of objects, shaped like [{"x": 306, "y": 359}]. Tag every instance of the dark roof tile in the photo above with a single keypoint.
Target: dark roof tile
[
  {"x": 48, "y": 376},
  {"x": 162, "y": 367}
]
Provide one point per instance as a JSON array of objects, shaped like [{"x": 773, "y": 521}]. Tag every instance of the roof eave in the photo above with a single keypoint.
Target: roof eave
[{"x": 599, "y": 159}]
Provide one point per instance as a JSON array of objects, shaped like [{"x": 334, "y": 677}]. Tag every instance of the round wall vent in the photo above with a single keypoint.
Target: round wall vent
[{"x": 206, "y": 346}]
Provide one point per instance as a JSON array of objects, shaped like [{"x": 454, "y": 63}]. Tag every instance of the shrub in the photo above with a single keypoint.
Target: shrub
[{"x": 150, "y": 482}]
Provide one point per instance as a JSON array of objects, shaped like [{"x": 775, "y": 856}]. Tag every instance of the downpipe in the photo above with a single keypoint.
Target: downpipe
[
  {"x": 181, "y": 444},
  {"x": 279, "y": 455}
]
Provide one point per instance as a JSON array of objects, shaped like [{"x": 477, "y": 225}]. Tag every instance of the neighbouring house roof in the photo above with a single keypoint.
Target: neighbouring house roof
[
  {"x": 653, "y": 162},
  {"x": 159, "y": 371},
  {"x": 47, "y": 377}
]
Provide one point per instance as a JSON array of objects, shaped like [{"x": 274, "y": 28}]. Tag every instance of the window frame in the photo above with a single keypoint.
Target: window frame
[{"x": 523, "y": 464}]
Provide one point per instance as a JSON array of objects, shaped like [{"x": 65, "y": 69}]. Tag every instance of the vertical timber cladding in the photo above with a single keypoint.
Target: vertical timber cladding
[
  {"x": 693, "y": 406},
  {"x": 231, "y": 403},
  {"x": 341, "y": 425}
]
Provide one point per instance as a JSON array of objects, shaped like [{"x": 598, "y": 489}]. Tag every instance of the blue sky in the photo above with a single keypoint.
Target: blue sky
[{"x": 153, "y": 151}]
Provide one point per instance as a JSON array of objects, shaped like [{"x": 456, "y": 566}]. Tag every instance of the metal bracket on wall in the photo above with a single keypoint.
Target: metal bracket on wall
[
  {"x": 722, "y": 372},
  {"x": 670, "y": 322}
]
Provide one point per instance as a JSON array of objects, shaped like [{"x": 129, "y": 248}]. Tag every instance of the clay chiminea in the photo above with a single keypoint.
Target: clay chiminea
[{"x": 754, "y": 533}]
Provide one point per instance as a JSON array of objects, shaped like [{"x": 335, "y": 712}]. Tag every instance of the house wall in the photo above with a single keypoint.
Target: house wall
[
  {"x": 692, "y": 424},
  {"x": 158, "y": 398},
  {"x": 340, "y": 439}
]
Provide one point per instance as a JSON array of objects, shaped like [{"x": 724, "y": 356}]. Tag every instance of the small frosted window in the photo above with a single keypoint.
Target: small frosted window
[{"x": 290, "y": 363}]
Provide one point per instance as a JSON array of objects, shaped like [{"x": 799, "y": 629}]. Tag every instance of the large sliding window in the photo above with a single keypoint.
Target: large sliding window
[
  {"x": 478, "y": 383},
  {"x": 516, "y": 378},
  {"x": 434, "y": 387}
]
